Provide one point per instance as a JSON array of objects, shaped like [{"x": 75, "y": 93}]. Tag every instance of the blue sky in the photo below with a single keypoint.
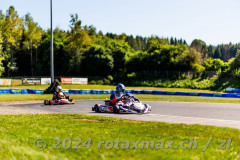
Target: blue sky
[{"x": 213, "y": 21}]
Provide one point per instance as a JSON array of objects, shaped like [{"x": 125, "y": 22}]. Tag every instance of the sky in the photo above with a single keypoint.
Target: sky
[{"x": 213, "y": 21}]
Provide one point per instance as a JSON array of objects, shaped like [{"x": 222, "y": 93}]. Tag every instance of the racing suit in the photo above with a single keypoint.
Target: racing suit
[
  {"x": 59, "y": 95},
  {"x": 114, "y": 97}
]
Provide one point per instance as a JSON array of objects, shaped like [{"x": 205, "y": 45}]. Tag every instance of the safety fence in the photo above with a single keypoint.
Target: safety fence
[
  {"x": 152, "y": 92},
  {"x": 232, "y": 90}
]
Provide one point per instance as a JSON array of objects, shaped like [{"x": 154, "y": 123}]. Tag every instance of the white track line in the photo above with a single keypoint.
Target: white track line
[{"x": 196, "y": 118}]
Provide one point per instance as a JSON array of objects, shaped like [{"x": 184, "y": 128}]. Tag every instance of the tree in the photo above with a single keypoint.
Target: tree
[
  {"x": 32, "y": 37},
  {"x": 211, "y": 50},
  {"x": 172, "y": 41},
  {"x": 200, "y": 46},
  {"x": 168, "y": 57},
  {"x": 79, "y": 42},
  {"x": 155, "y": 43},
  {"x": 1, "y": 57},
  {"x": 1, "y": 37},
  {"x": 218, "y": 53},
  {"x": 119, "y": 50},
  {"x": 137, "y": 62},
  {"x": 12, "y": 34},
  {"x": 193, "y": 60},
  {"x": 215, "y": 65},
  {"x": 62, "y": 58},
  {"x": 97, "y": 62}
]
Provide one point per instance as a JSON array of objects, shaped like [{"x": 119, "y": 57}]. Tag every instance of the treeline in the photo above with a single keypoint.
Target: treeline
[
  {"x": 223, "y": 51},
  {"x": 141, "y": 43},
  {"x": 84, "y": 51}
]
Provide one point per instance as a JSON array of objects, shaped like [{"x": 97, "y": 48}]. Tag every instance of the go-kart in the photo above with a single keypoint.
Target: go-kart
[
  {"x": 59, "y": 101},
  {"x": 126, "y": 104},
  {"x": 63, "y": 100}
]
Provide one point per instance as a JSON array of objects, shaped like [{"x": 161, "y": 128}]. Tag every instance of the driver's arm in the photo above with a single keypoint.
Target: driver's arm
[
  {"x": 54, "y": 96},
  {"x": 115, "y": 100},
  {"x": 59, "y": 96},
  {"x": 66, "y": 96}
]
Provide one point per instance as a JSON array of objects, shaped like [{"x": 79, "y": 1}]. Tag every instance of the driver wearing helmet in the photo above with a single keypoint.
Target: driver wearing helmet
[
  {"x": 118, "y": 93},
  {"x": 59, "y": 94}
]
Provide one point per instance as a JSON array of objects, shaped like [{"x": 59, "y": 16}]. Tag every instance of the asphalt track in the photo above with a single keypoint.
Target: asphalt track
[{"x": 215, "y": 114}]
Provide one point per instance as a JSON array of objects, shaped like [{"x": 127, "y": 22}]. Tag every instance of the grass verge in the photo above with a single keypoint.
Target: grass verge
[
  {"x": 17, "y": 140},
  {"x": 102, "y": 87},
  {"x": 166, "y": 98}
]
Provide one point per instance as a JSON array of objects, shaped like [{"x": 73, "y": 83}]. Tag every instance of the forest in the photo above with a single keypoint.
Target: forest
[{"x": 84, "y": 51}]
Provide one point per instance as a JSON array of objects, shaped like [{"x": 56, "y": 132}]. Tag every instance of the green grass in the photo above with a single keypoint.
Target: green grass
[
  {"x": 168, "y": 98},
  {"x": 102, "y": 87},
  {"x": 198, "y": 84},
  {"x": 165, "y": 98},
  {"x": 19, "y": 132}
]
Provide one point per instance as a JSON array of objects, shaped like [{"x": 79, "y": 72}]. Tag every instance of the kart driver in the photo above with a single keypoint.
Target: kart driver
[
  {"x": 118, "y": 93},
  {"x": 59, "y": 94}
]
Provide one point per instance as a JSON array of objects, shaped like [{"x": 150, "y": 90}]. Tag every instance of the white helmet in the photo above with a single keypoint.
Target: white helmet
[{"x": 59, "y": 89}]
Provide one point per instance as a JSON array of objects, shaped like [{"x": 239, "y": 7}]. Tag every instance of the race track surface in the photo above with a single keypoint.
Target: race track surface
[{"x": 216, "y": 114}]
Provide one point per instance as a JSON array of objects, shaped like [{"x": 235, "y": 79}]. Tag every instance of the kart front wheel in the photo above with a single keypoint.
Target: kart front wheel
[
  {"x": 46, "y": 102},
  {"x": 116, "y": 109},
  {"x": 96, "y": 108}
]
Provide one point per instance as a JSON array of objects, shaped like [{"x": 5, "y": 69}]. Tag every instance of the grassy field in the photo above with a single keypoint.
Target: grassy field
[
  {"x": 105, "y": 136},
  {"x": 165, "y": 98},
  {"x": 74, "y": 86},
  {"x": 169, "y": 98}
]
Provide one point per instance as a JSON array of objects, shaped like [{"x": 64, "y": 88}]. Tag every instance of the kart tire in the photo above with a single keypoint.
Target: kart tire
[
  {"x": 46, "y": 102},
  {"x": 96, "y": 108},
  {"x": 147, "y": 107},
  {"x": 116, "y": 109}
]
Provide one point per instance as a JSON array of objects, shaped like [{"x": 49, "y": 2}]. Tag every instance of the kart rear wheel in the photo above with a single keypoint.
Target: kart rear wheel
[
  {"x": 116, "y": 109},
  {"x": 96, "y": 108},
  {"x": 147, "y": 107}
]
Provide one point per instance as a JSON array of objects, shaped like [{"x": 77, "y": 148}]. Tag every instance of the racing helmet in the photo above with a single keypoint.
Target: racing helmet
[
  {"x": 120, "y": 88},
  {"x": 59, "y": 89}
]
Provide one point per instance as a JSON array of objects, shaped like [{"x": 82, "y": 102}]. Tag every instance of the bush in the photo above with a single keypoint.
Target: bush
[
  {"x": 184, "y": 83},
  {"x": 92, "y": 82},
  {"x": 106, "y": 82},
  {"x": 183, "y": 76},
  {"x": 236, "y": 73},
  {"x": 198, "y": 68},
  {"x": 100, "y": 82},
  {"x": 216, "y": 64},
  {"x": 131, "y": 75},
  {"x": 110, "y": 78}
]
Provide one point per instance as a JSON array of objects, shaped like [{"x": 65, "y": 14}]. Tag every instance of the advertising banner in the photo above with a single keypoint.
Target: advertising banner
[
  {"x": 5, "y": 82},
  {"x": 32, "y": 81},
  {"x": 45, "y": 80},
  {"x": 66, "y": 80},
  {"x": 79, "y": 80}
]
